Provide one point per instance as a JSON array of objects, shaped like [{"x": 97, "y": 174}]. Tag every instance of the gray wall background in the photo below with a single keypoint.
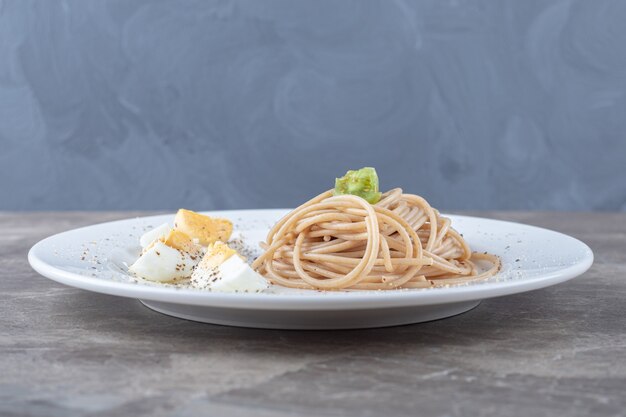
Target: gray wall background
[{"x": 230, "y": 104}]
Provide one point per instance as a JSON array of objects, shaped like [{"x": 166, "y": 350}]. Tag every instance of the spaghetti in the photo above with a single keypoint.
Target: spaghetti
[{"x": 334, "y": 242}]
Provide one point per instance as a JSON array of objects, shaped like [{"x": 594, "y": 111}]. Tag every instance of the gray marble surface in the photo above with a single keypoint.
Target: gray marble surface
[{"x": 558, "y": 351}]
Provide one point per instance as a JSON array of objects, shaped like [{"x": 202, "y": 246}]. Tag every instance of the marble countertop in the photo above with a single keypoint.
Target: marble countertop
[{"x": 557, "y": 351}]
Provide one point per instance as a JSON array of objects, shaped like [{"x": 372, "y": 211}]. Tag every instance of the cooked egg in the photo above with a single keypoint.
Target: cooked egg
[
  {"x": 205, "y": 229},
  {"x": 181, "y": 241},
  {"x": 151, "y": 235},
  {"x": 237, "y": 276},
  {"x": 162, "y": 263},
  {"x": 222, "y": 269}
]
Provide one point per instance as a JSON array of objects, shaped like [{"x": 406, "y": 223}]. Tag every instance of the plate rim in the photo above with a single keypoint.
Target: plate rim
[{"x": 316, "y": 301}]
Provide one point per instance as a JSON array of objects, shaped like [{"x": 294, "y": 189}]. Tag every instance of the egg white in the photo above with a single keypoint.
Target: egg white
[
  {"x": 162, "y": 263},
  {"x": 151, "y": 235},
  {"x": 237, "y": 276}
]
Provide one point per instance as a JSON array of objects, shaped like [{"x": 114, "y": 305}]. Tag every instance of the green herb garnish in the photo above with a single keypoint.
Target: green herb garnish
[{"x": 362, "y": 183}]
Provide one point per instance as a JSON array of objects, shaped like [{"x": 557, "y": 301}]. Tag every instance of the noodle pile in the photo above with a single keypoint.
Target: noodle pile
[{"x": 344, "y": 242}]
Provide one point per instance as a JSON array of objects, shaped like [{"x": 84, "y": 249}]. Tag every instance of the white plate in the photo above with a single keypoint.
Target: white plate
[{"x": 93, "y": 258}]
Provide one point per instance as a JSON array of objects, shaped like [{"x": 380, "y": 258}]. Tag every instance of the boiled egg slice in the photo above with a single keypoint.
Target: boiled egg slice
[
  {"x": 205, "y": 229},
  {"x": 162, "y": 263},
  {"x": 222, "y": 269},
  {"x": 237, "y": 276},
  {"x": 151, "y": 235},
  {"x": 168, "y": 258}
]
